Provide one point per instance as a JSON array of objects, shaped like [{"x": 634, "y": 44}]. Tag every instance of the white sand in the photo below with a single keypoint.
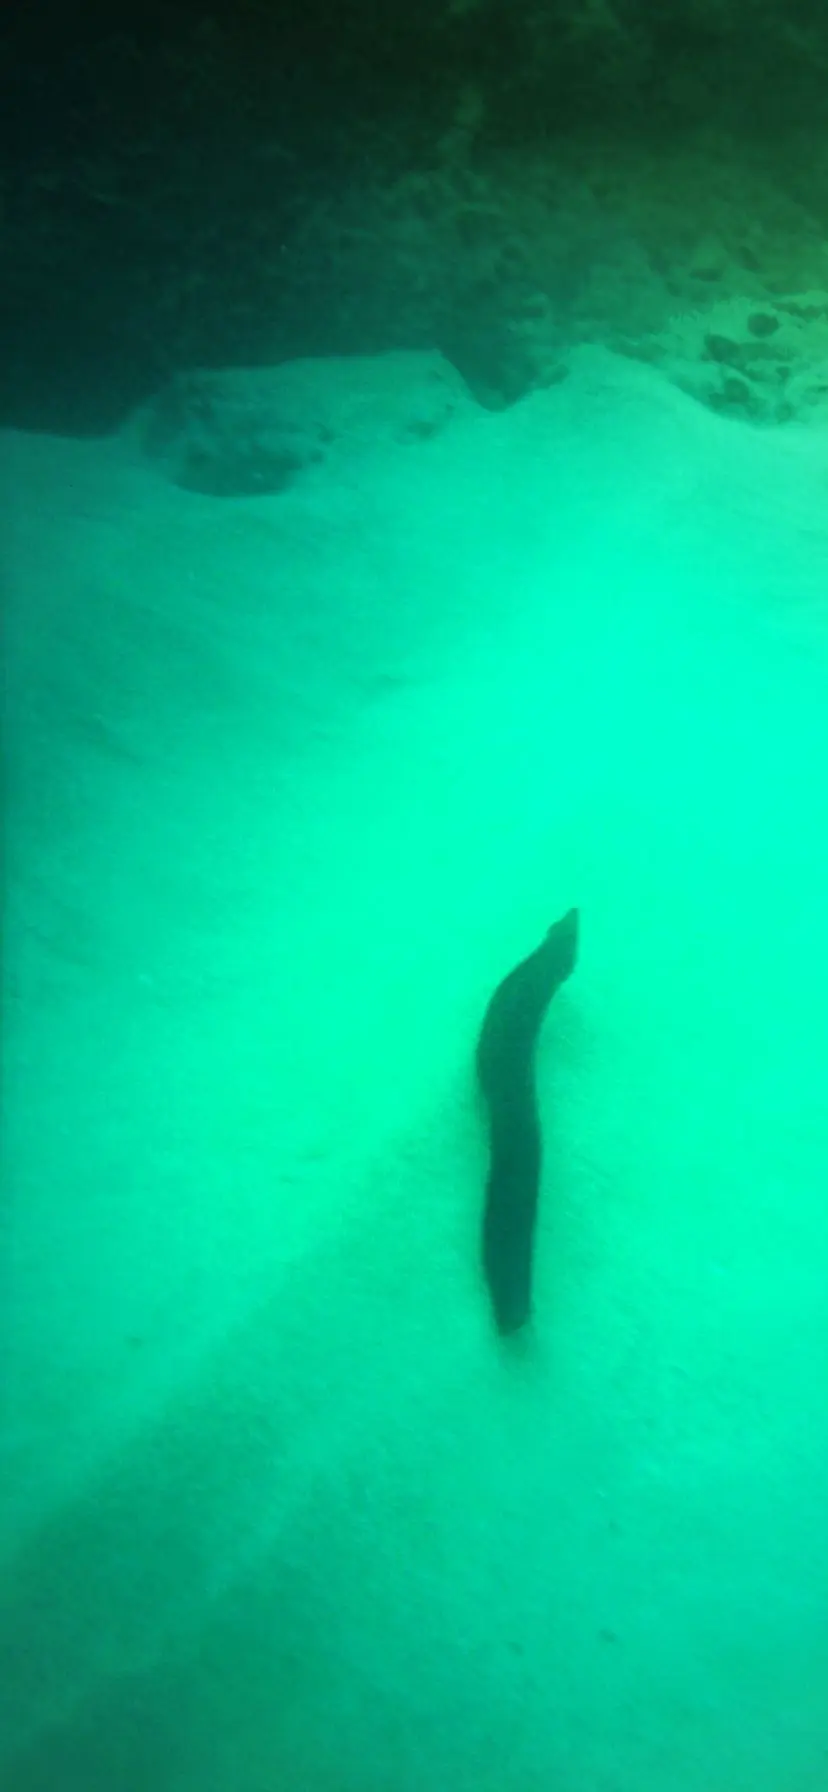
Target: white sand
[{"x": 292, "y": 782}]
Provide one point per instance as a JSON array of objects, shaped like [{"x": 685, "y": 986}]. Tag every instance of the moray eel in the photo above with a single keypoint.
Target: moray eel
[{"x": 506, "y": 1073}]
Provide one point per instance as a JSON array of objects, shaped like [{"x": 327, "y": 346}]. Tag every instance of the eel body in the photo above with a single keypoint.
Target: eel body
[{"x": 506, "y": 1073}]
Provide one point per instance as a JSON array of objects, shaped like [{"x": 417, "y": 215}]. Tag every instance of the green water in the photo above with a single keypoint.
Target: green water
[{"x": 293, "y": 782}]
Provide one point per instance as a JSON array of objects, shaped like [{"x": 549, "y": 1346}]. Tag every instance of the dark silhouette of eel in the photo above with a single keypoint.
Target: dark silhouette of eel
[{"x": 506, "y": 1072}]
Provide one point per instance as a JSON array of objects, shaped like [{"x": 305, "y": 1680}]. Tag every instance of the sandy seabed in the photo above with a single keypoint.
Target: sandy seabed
[{"x": 292, "y": 782}]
